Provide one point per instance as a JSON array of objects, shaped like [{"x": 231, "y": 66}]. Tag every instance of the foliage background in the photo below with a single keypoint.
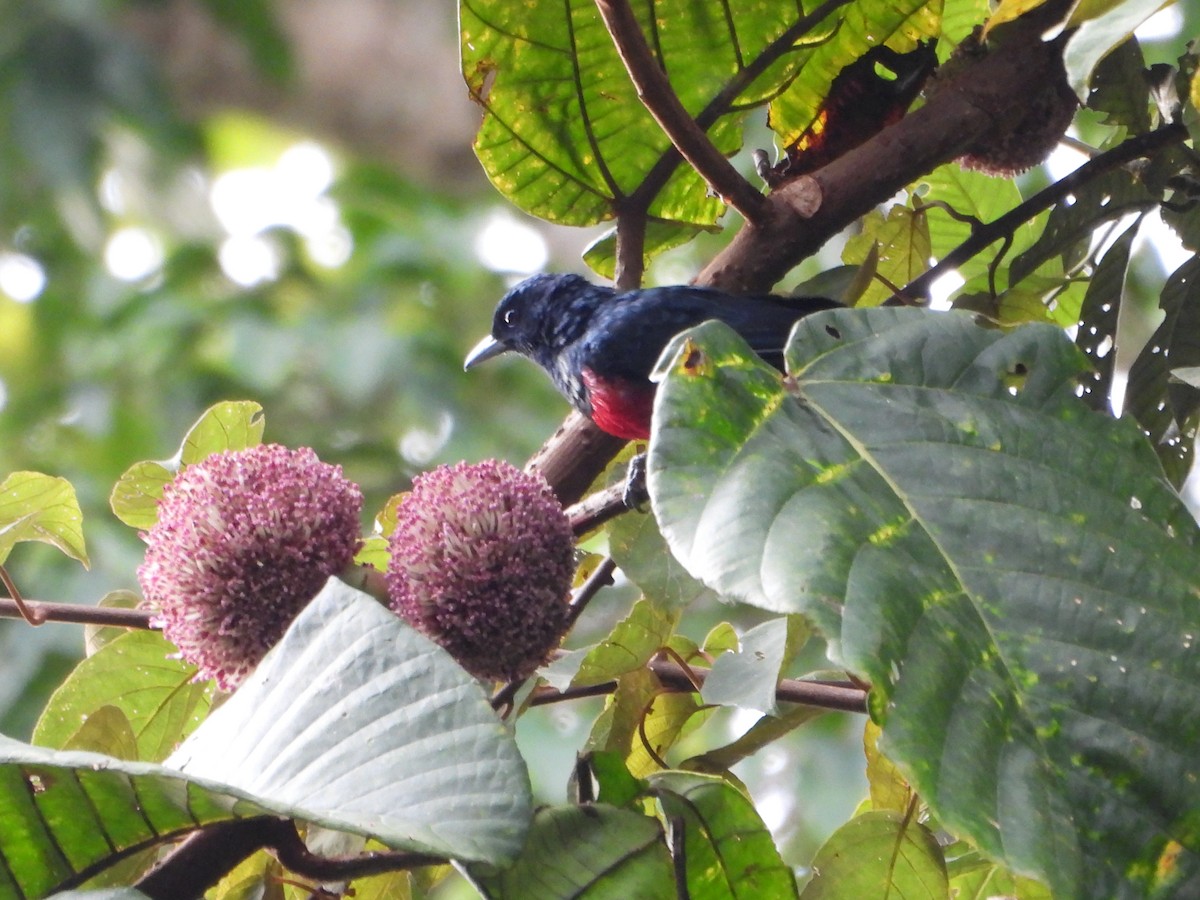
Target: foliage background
[{"x": 193, "y": 137}]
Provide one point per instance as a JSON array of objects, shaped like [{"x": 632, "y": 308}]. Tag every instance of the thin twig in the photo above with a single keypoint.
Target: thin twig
[
  {"x": 33, "y": 616},
  {"x": 657, "y": 95},
  {"x": 47, "y": 611},
  {"x": 600, "y": 578},
  {"x": 1004, "y": 227}
]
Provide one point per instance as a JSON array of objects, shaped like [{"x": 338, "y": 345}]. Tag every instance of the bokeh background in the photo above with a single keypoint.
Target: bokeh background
[{"x": 240, "y": 199}]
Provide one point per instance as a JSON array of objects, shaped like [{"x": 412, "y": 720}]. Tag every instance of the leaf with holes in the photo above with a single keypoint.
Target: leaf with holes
[
  {"x": 1009, "y": 569},
  {"x": 1072, "y": 222},
  {"x": 1166, "y": 407},
  {"x": 1097, "y": 332},
  {"x": 594, "y": 851}
]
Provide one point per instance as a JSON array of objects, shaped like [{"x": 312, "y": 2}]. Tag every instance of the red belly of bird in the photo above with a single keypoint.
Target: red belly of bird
[{"x": 620, "y": 406}]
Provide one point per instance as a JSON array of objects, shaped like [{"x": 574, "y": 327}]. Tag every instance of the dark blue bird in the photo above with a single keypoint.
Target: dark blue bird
[{"x": 599, "y": 345}]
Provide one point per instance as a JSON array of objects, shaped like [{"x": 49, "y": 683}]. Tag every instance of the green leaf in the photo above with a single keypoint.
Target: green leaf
[
  {"x": 1166, "y": 407},
  {"x": 36, "y": 507},
  {"x": 135, "y": 496},
  {"x": 565, "y": 136},
  {"x": 1008, "y": 569},
  {"x": 632, "y": 644},
  {"x": 980, "y": 197},
  {"x": 1119, "y": 89},
  {"x": 1096, "y": 335},
  {"x": 594, "y": 852},
  {"x": 1102, "y": 25},
  {"x": 640, "y": 552},
  {"x": 729, "y": 852},
  {"x": 356, "y": 722},
  {"x": 901, "y": 243},
  {"x": 878, "y": 854},
  {"x": 229, "y": 425},
  {"x": 888, "y": 788},
  {"x": 765, "y": 731},
  {"x": 601, "y": 254},
  {"x": 747, "y": 677},
  {"x": 138, "y": 676},
  {"x": 97, "y": 636},
  {"x": 108, "y": 731}
]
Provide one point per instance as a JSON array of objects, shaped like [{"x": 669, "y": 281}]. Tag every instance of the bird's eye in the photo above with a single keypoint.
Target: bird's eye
[{"x": 510, "y": 316}]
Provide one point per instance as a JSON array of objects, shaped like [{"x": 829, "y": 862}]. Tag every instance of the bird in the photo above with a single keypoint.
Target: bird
[{"x": 599, "y": 344}]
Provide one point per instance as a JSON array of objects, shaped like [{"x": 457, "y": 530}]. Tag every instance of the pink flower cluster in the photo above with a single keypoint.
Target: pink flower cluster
[
  {"x": 481, "y": 561},
  {"x": 243, "y": 541}
]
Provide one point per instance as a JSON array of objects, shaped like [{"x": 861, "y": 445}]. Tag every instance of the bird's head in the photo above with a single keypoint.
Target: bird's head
[{"x": 539, "y": 317}]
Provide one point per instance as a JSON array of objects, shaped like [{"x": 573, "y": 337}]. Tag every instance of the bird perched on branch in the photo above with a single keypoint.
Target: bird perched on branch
[{"x": 599, "y": 345}]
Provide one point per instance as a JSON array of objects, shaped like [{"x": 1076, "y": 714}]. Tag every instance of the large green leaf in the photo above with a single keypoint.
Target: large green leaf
[
  {"x": 1010, "y": 570},
  {"x": 594, "y": 852},
  {"x": 729, "y": 851},
  {"x": 565, "y": 136},
  {"x": 137, "y": 675},
  {"x": 878, "y": 854},
  {"x": 353, "y": 721}
]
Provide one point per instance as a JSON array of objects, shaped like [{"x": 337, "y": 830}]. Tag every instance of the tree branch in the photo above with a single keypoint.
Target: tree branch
[
  {"x": 984, "y": 95},
  {"x": 47, "y": 611},
  {"x": 1004, "y": 227},
  {"x": 657, "y": 95}
]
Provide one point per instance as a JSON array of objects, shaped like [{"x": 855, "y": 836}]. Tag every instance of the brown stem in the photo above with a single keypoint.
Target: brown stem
[
  {"x": 631, "y": 248},
  {"x": 46, "y": 611},
  {"x": 1004, "y": 227},
  {"x": 841, "y": 696},
  {"x": 657, "y": 95}
]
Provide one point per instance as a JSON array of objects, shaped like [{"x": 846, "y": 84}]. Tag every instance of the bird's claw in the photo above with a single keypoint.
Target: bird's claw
[{"x": 636, "y": 494}]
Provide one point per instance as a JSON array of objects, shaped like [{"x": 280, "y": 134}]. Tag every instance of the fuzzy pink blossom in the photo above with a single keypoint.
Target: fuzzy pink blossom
[
  {"x": 481, "y": 561},
  {"x": 244, "y": 539}
]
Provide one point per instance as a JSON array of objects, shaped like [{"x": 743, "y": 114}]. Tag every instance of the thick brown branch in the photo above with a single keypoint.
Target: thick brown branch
[
  {"x": 202, "y": 859},
  {"x": 660, "y": 99}
]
